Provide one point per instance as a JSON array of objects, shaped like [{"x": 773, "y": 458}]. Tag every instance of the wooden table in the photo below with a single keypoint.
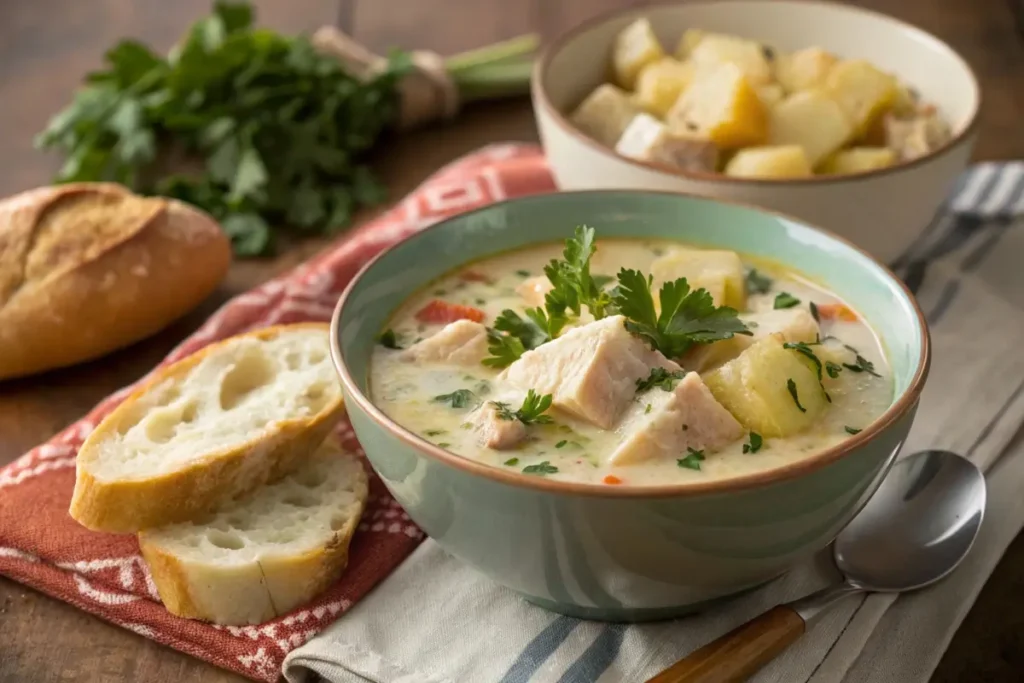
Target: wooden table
[{"x": 47, "y": 45}]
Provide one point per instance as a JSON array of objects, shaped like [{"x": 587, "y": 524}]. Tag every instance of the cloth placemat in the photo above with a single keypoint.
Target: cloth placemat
[
  {"x": 437, "y": 621},
  {"x": 42, "y": 547}
]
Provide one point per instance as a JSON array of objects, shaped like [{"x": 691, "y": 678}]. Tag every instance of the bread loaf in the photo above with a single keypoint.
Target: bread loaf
[
  {"x": 261, "y": 556},
  {"x": 215, "y": 425},
  {"x": 87, "y": 268}
]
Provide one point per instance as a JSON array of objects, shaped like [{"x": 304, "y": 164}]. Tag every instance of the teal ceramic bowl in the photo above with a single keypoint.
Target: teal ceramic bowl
[{"x": 628, "y": 553}]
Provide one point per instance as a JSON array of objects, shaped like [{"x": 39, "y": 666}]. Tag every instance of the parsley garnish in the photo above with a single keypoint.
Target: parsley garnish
[
  {"x": 785, "y": 300},
  {"x": 791, "y": 385},
  {"x": 851, "y": 430},
  {"x": 443, "y": 444},
  {"x": 435, "y": 432},
  {"x": 389, "y": 340},
  {"x": 814, "y": 312},
  {"x": 512, "y": 461},
  {"x": 460, "y": 398},
  {"x": 692, "y": 460},
  {"x": 659, "y": 377},
  {"x": 758, "y": 283},
  {"x": 540, "y": 468},
  {"x": 561, "y": 443},
  {"x": 531, "y": 412},
  {"x": 755, "y": 443},
  {"x": 505, "y": 349},
  {"x": 805, "y": 350},
  {"x": 521, "y": 334},
  {"x": 833, "y": 369},
  {"x": 861, "y": 364},
  {"x": 647, "y": 409},
  {"x": 687, "y": 317},
  {"x": 523, "y": 273}
]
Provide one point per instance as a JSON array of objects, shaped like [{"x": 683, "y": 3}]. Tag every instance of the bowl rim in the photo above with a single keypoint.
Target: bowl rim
[
  {"x": 540, "y": 97},
  {"x": 896, "y": 410}
]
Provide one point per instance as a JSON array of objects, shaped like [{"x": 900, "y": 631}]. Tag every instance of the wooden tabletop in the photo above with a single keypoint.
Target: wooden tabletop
[{"x": 46, "y": 46}]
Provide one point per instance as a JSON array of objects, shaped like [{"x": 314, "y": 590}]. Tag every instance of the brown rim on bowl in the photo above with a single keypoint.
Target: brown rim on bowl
[
  {"x": 540, "y": 97},
  {"x": 894, "y": 412}
]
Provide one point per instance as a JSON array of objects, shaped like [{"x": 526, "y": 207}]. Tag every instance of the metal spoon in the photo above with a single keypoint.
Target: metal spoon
[{"x": 915, "y": 530}]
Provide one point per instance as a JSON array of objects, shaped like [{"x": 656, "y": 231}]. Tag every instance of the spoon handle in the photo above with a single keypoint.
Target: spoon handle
[{"x": 739, "y": 654}]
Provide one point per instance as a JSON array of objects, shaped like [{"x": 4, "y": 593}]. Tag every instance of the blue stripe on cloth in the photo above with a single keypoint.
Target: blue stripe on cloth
[
  {"x": 539, "y": 649},
  {"x": 596, "y": 659}
]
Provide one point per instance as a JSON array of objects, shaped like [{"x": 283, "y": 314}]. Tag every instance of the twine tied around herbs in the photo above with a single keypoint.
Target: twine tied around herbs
[{"x": 427, "y": 93}]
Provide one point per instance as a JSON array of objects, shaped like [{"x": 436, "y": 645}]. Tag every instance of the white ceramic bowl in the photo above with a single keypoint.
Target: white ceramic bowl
[{"x": 882, "y": 210}]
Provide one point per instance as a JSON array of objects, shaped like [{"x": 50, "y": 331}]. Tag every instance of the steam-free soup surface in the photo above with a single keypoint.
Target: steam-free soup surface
[{"x": 808, "y": 374}]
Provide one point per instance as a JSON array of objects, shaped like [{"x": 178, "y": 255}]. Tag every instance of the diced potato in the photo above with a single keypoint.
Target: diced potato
[
  {"x": 755, "y": 388},
  {"x": 863, "y": 91},
  {"x": 715, "y": 50},
  {"x": 718, "y": 271},
  {"x": 604, "y": 114},
  {"x": 648, "y": 139},
  {"x": 812, "y": 120},
  {"x": 794, "y": 324},
  {"x": 722, "y": 105},
  {"x": 785, "y": 161},
  {"x": 804, "y": 69},
  {"x": 635, "y": 47},
  {"x": 914, "y": 137},
  {"x": 858, "y": 159},
  {"x": 771, "y": 94},
  {"x": 691, "y": 37},
  {"x": 660, "y": 84}
]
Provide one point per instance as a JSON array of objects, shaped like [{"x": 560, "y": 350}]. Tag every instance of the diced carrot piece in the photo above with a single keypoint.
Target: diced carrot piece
[
  {"x": 443, "y": 312},
  {"x": 836, "y": 312},
  {"x": 612, "y": 479},
  {"x": 473, "y": 276}
]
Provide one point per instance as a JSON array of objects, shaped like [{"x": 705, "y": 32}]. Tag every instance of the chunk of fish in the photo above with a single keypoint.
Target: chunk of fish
[
  {"x": 686, "y": 417},
  {"x": 462, "y": 342},
  {"x": 494, "y": 432},
  {"x": 533, "y": 290},
  {"x": 590, "y": 371}
]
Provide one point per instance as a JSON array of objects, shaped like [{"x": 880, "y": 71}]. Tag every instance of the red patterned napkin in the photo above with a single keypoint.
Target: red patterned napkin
[{"x": 41, "y": 546}]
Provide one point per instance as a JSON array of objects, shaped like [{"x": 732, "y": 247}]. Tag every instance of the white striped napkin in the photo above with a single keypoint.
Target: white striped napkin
[{"x": 437, "y": 621}]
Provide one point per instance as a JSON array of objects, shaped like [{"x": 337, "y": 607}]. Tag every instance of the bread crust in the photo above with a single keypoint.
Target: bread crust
[
  {"x": 128, "y": 506},
  {"x": 111, "y": 288},
  {"x": 249, "y": 593}
]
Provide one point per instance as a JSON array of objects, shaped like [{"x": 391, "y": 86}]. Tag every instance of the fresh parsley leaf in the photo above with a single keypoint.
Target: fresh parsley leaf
[
  {"x": 659, "y": 377},
  {"x": 505, "y": 349},
  {"x": 551, "y": 321},
  {"x": 758, "y": 283},
  {"x": 523, "y": 273},
  {"x": 692, "y": 460},
  {"x": 460, "y": 398},
  {"x": 833, "y": 369},
  {"x": 805, "y": 351},
  {"x": 540, "y": 468},
  {"x": 573, "y": 285},
  {"x": 687, "y": 317},
  {"x": 785, "y": 300},
  {"x": 512, "y": 462},
  {"x": 561, "y": 443},
  {"x": 791, "y": 386},
  {"x": 647, "y": 409},
  {"x": 527, "y": 330},
  {"x": 388, "y": 339},
  {"x": 435, "y": 432},
  {"x": 852, "y": 430},
  {"x": 755, "y": 443},
  {"x": 861, "y": 364},
  {"x": 443, "y": 444},
  {"x": 531, "y": 412},
  {"x": 814, "y": 311}
]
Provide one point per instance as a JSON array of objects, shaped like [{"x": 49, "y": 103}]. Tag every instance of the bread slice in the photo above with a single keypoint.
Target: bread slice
[
  {"x": 263, "y": 555},
  {"x": 86, "y": 268},
  {"x": 214, "y": 425}
]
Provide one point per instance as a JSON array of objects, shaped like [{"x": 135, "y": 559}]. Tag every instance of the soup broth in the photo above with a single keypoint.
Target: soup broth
[{"x": 623, "y": 413}]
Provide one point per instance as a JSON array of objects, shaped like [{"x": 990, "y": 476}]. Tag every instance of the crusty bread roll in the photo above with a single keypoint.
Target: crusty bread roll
[
  {"x": 261, "y": 556},
  {"x": 87, "y": 268},
  {"x": 216, "y": 424}
]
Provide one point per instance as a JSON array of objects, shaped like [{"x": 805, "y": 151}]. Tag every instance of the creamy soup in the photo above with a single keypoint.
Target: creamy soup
[{"x": 760, "y": 369}]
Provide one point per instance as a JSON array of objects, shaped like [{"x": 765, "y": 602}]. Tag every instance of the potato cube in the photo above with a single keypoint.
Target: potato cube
[
  {"x": 812, "y": 120},
  {"x": 691, "y": 38},
  {"x": 715, "y": 50},
  {"x": 804, "y": 69},
  {"x": 661, "y": 83},
  {"x": 771, "y": 95},
  {"x": 635, "y": 47},
  {"x": 722, "y": 105},
  {"x": 769, "y": 389},
  {"x": 648, "y": 139},
  {"x": 718, "y": 271},
  {"x": 858, "y": 159},
  {"x": 604, "y": 114},
  {"x": 864, "y": 92},
  {"x": 794, "y": 324},
  {"x": 785, "y": 161}
]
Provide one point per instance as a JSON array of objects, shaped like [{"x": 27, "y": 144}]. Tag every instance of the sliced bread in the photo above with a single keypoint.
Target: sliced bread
[
  {"x": 213, "y": 426},
  {"x": 265, "y": 554}
]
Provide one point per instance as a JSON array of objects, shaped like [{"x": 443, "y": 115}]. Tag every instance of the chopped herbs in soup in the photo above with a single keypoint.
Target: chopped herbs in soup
[{"x": 629, "y": 362}]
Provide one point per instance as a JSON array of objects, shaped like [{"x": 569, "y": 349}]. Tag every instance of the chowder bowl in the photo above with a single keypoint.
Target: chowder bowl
[
  {"x": 881, "y": 211},
  {"x": 619, "y": 552}
]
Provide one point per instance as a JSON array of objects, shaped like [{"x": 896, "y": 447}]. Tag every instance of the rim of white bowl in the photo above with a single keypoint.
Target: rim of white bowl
[
  {"x": 900, "y": 407},
  {"x": 543, "y": 63}
]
